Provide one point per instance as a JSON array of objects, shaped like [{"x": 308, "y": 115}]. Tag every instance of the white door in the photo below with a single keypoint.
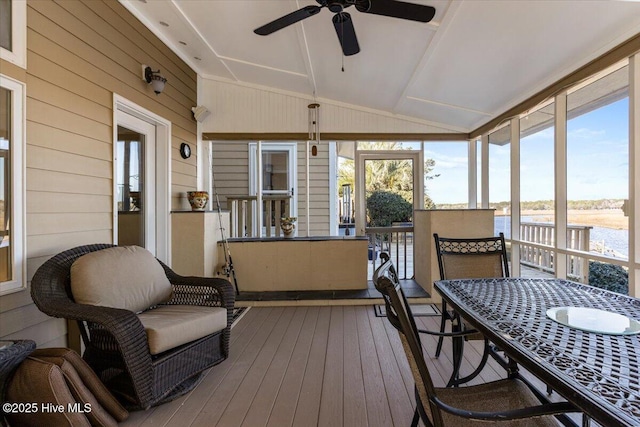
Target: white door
[
  {"x": 279, "y": 172},
  {"x": 135, "y": 168}
]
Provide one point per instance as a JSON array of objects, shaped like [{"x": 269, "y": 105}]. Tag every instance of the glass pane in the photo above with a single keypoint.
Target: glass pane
[
  {"x": 6, "y": 25},
  {"x": 130, "y": 182},
  {"x": 598, "y": 166},
  {"x": 500, "y": 178},
  {"x": 446, "y": 175},
  {"x": 537, "y": 191},
  {"x": 6, "y": 265},
  {"x": 275, "y": 171},
  {"x": 389, "y": 192}
]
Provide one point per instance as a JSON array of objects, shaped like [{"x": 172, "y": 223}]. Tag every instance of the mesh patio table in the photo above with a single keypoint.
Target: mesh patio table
[{"x": 597, "y": 372}]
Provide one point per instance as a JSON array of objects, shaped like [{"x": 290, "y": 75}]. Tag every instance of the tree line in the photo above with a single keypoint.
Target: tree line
[{"x": 545, "y": 205}]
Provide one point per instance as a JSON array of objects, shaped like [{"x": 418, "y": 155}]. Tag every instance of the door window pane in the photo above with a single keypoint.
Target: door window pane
[
  {"x": 275, "y": 171},
  {"x": 598, "y": 166},
  {"x": 131, "y": 188},
  {"x": 6, "y": 264}
]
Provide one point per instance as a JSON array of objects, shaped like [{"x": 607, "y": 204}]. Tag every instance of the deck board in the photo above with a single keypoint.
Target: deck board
[{"x": 307, "y": 366}]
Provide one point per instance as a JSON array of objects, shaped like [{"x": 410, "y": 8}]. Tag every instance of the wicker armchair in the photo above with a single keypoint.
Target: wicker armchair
[{"x": 115, "y": 339}]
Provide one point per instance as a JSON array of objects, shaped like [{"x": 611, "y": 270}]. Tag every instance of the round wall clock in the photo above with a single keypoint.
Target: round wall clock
[{"x": 185, "y": 150}]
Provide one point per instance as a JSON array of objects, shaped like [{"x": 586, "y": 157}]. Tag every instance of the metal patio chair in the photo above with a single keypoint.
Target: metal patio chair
[{"x": 508, "y": 401}]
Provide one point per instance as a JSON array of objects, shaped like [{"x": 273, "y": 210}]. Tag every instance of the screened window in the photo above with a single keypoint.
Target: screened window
[
  {"x": 447, "y": 174},
  {"x": 13, "y": 31},
  {"x": 598, "y": 166},
  {"x": 500, "y": 178},
  {"x": 11, "y": 189},
  {"x": 537, "y": 189},
  {"x": 6, "y": 26}
]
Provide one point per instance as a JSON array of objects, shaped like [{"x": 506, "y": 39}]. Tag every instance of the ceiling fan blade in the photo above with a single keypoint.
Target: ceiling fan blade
[
  {"x": 287, "y": 20},
  {"x": 346, "y": 33},
  {"x": 397, "y": 9}
]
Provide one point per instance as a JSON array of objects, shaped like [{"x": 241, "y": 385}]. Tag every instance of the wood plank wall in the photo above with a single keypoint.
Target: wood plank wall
[
  {"x": 231, "y": 174},
  {"x": 239, "y": 108},
  {"x": 81, "y": 52}
]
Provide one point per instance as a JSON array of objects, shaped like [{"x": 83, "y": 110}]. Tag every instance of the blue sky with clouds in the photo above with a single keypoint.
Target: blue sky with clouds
[{"x": 597, "y": 152}]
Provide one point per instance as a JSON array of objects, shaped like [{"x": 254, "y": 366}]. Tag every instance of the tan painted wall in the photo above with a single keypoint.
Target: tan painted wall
[
  {"x": 81, "y": 52},
  {"x": 231, "y": 174}
]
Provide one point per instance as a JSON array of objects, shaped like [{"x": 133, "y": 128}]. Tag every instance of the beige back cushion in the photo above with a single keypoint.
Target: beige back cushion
[
  {"x": 126, "y": 277},
  {"x": 472, "y": 266}
]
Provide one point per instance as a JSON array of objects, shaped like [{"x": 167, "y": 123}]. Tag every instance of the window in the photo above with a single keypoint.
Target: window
[
  {"x": 500, "y": 178},
  {"x": 598, "y": 166},
  {"x": 537, "y": 189},
  {"x": 446, "y": 173},
  {"x": 11, "y": 185},
  {"x": 13, "y": 31}
]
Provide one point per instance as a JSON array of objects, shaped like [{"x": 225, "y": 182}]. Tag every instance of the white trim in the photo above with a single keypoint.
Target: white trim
[
  {"x": 203, "y": 152},
  {"x": 333, "y": 189},
  {"x": 18, "y": 186},
  {"x": 484, "y": 202},
  {"x": 634, "y": 175},
  {"x": 417, "y": 156},
  {"x": 18, "y": 54},
  {"x": 472, "y": 156},
  {"x": 515, "y": 194},
  {"x": 162, "y": 178},
  {"x": 560, "y": 202},
  {"x": 307, "y": 203}
]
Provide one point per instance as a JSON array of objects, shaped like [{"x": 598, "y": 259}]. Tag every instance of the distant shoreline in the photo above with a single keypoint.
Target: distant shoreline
[{"x": 607, "y": 218}]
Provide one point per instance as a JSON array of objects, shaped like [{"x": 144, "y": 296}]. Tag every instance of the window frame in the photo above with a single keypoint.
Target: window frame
[
  {"x": 18, "y": 53},
  {"x": 18, "y": 170}
]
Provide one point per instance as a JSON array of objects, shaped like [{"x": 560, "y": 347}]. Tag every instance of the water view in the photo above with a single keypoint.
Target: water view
[{"x": 613, "y": 242}]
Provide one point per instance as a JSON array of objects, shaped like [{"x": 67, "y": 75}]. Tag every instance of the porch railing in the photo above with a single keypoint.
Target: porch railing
[
  {"x": 540, "y": 233},
  {"x": 397, "y": 241},
  {"x": 244, "y": 212}
]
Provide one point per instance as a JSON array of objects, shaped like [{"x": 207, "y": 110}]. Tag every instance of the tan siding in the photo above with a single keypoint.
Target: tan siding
[
  {"x": 67, "y": 223},
  {"x": 62, "y": 140},
  {"x": 231, "y": 168},
  {"x": 79, "y": 53}
]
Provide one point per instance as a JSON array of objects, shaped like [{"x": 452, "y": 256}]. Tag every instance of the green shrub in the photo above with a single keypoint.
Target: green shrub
[
  {"x": 384, "y": 208},
  {"x": 608, "y": 276}
]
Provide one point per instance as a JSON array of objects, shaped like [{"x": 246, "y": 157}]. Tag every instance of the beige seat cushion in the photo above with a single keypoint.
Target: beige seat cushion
[
  {"x": 169, "y": 326},
  {"x": 127, "y": 277}
]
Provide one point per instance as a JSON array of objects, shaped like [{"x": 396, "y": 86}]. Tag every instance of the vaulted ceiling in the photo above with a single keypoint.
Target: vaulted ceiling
[{"x": 473, "y": 61}]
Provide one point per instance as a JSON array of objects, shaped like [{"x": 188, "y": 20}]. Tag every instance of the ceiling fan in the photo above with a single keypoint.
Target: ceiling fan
[{"x": 342, "y": 20}]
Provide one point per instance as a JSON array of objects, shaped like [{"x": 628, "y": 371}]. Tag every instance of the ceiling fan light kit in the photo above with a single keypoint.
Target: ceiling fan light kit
[{"x": 342, "y": 20}]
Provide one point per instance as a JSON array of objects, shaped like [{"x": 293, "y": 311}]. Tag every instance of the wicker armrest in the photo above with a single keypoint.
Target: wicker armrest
[
  {"x": 209, "y": 291},
  {"x": 124, "y": 325}
]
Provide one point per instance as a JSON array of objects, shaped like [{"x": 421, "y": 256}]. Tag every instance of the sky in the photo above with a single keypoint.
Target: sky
[
  {"x": 597, "y": 165},
  {"x": 597, "y": 159},
  {"x": 597, "y": 152}
]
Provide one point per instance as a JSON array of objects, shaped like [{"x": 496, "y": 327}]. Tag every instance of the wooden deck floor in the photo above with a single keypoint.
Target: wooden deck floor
[{"x": 308, "y": 366}]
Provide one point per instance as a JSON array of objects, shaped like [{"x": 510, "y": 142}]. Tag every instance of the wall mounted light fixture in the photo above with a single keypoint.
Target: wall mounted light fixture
[
  {"x": 154, "y": 78},
  {"x": 200, "y": 113}
]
